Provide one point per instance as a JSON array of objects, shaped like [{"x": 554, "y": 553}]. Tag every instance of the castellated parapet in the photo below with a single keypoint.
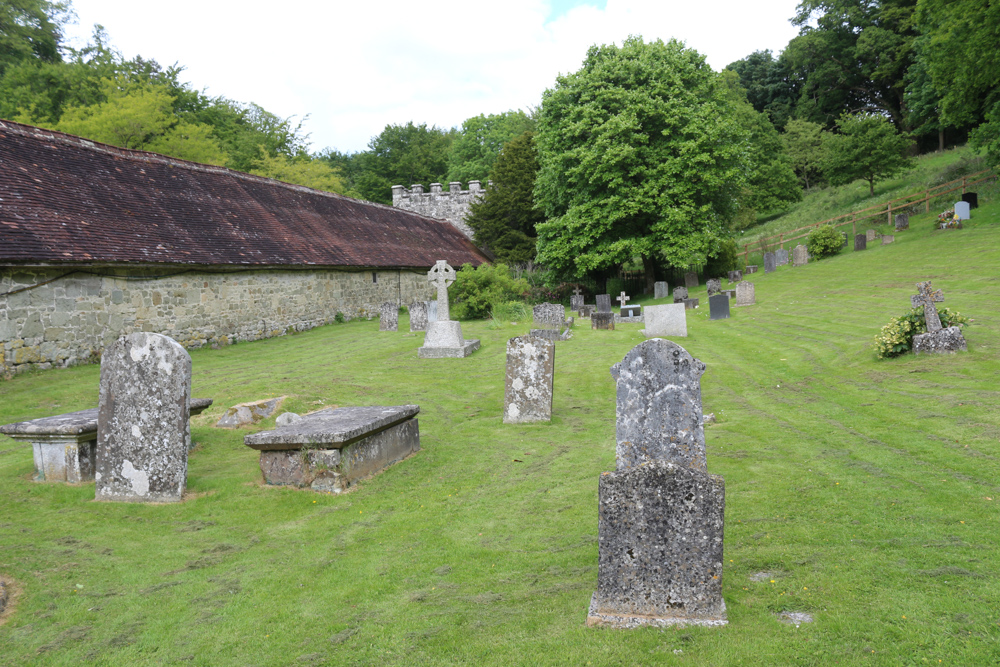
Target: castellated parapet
[{"x": 452, "y": 206}]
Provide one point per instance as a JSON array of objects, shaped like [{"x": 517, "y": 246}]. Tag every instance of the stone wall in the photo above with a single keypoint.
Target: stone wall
[
  {"x": 73, "y": 318},
  {"x": 452, "y": 206}
]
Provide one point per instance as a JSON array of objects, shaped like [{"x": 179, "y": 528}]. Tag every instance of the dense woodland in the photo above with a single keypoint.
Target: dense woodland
[{"x": 643, "y": 155}]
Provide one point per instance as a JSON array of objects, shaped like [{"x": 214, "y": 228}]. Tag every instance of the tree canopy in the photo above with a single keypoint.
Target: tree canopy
[
  {"x": 478, "y": 143},
  {"x": 867, "y": 146}
]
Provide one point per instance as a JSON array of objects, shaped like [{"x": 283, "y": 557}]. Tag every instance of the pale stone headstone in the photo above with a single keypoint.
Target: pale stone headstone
[
  {"x": 666, "y": 320},
  {"x": 902, "y": 221},
  {"x": 388, "y": 319},
  {"x": 800, "y": 256},
  {"x": 887, "y": 239},
  {"x": 937, "y": 339},
  {"x": 718, "y": 307},
  {"x": 770, "y": 262},
  {"x": 660, "y": 290},
  {"x": 600, "y": 320},
  {"x": 603, "y": 303},
  {"x": 418, "y": 316},
  {"x": 691, "y": 279},
  {"x": 142, "y": 420},
  {"x": 781, "y": 256},
  {"x": 680, "y": 293},
  {"x": 549, "y": 315},
  {"x": 660, "y": 514},
  {"x": 962, "y": 210},
  {"x": 860, "y": 242},
  {"x": 444, "y": 337},
  {"x": 745, "y": 294},
  {"x": 871, "y": 235},
  {"x": 714, "y": 285},
  {"x": 623, "y": 300},
  {"x": 530, "y": 370}
]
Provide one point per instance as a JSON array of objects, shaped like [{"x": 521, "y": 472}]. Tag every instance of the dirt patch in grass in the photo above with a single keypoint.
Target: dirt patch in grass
[{"x": 9, "y": 592}]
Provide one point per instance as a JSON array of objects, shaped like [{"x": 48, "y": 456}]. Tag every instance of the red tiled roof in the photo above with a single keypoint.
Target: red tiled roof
[{"x": 68, "y": 200}]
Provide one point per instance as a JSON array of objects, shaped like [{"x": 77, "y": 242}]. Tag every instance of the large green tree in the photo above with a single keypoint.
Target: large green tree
[
  {"x": 480, "y": 140},
  {"x": 402, "y": 155},
  {"x": 504, "y": 220},
  {"x": 866, "y": 146},
  {"x": 31, "y": 30},
  {"x": 804, "y": 147},
  {"x": 769, "y": 86}
]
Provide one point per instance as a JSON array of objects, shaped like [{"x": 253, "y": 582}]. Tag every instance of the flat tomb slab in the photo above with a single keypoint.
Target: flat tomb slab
[
  {"x": 468, "y": 347},
  {"x": 331, "y": 449}
]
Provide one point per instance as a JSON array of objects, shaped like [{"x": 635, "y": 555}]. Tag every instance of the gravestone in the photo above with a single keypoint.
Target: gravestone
[
  {"x": 714, "y": 285},
  {"x": 937, "y": 339},
  {"x": 602, "y": 321},
  {"x": 690, "y": 304},
  {"x": 623, "y": 299},
  {"x": 745, "y": 294},
  {"x": 902, "y": 221},
  {"x": 665, "y": 320},
  {"x": 887, "y": 239},
  {"x": 781, "y": 257},
  {"x": 871, "y": 235},
  {"x": 603, "y": 303},
  {"x": 660, "y": 514},
  {"x": 660, "y": 290},
  {"x": 718, "y": 307},
  {"x": 962, "y": 210},
  {"x": 731, "y": 293},
  {"x": 418, "y": 316},
  {"x": 576, "y": 301},
  {"x": 550, "y": 320},
  {"x": 432, "y": 311},
  {"x": 142, "y": 420},
  {"x": 388, "y": 319},
  {"x": 632, "y": 311},
  {"x": 444, "y": 337},
  {"x": 586, "y": 310},
  {"x": 860, "y": 242},
  {"x": 800, "y": 256},
  {"x": 735, "y": 276},
  {"x": 770, "y": 262},
  {"x": 680, "y": 293},
  {"x": 751, "y": 268},
  {"x": 972, "y": 199},
  {"x": 530, "y": 369},
  {"x": 691, "y": 279}
]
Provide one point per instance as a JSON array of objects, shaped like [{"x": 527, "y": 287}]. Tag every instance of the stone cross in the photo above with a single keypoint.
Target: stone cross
[
  {"x": 441, "y": 276},
  {"x": 622, "y": 300},
  {"x": 926, "y": 298},
  {"x": 577, "y": 291}
]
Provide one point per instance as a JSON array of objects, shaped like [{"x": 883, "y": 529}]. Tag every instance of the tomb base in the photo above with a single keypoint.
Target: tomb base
[
  {"x": 551, "y": 334},
  {"x": 444, "y": 340},
  {"x": 63, "y": 459},
  {"x": 596, "y": 618},
  {"x": 939, "y": 342}
]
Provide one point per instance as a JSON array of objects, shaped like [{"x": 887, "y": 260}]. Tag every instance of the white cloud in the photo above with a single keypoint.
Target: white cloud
[{"x": 356, "y": 66}]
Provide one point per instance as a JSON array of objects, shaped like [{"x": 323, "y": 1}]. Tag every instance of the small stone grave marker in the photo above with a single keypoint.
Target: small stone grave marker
[
  {"x": 937, "y": 339},
  {"x": 962, "y": 210},
  {"x": 691, "y": 279},
  {"x": 735, "y": 276},
  {"x": 444, "y": 337},
  {"x": 751, "y": 268},
  {"x": 781, "y": 256},
  {"x": 770, "y": 262},
  {"x": 623, "y": 299},
  {"x": 680, "y": 293},
  {"x": 388, "y": 317},
  {"x": 603, "y": 303},
  {"x": 666, "y": 320},
  {"x": 902, "y": 221},
  {"x": 660, "y": 290},
  {"x": 800, "y": 256},
  {"x": 871, "y": 235},
  {"x": 576, "y": 300},
  {"x": 714, "y": 285},
  {"x": 602, "y": 321},
  {"x": 690, "y": 304},
  {"x": 530, "y": 369},
  {"x": 887, "y": 239},
  {"x": 745, "y": 294},
  {"x": 860, "y": 242},
  {"x": 718, "y": 307},
  {"x": 418, "y": 316}
]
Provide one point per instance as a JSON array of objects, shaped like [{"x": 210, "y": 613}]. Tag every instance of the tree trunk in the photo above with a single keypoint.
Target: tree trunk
[
  {"x": 649, "y": 271},
  {"x": 941, "y": 140},
  {"x": 871, "y": 187}
]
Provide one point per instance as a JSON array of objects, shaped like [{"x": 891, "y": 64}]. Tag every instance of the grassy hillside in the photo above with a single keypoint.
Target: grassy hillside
[{"x": 862, "y": 492}]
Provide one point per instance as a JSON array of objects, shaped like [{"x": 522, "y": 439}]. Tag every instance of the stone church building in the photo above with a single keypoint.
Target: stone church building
[{"x": 98, "y": 241}]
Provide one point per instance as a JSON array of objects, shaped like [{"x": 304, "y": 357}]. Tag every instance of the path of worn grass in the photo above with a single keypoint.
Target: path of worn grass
[{"x": 867, "y": 491}]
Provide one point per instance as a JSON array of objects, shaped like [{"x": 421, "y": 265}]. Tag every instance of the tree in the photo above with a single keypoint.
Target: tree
[
  {"x": 504, "y": 219},
  {"x": 402, "y": 155},
  {"x": 31, "y": 30},
  {"x": 804, "y": 147},
  {"x": 303, "y": 170},
  {"x": 768, "y": 84},
  {"x": 479, "y": 142},
  {"x": 867, "y": 146},
  {"x": 640, "y": 156}
]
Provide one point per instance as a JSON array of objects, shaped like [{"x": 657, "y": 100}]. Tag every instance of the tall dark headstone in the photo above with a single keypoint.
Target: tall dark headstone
[
  {"x": 770, "y": 262},
  {"x": 718, "y": 307},
  {"x": 603, "y": 303},
  {"x": 860, "y": 241},
  {"x": 972, "y": 199},
  {"x": 902, "y": 221}
]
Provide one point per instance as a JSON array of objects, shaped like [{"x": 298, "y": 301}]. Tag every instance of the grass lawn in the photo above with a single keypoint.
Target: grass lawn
[{"x": 863, "y": 492}]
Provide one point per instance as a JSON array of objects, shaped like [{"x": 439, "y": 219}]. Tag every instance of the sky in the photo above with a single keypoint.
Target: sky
[{"x": 355, "y": 67}]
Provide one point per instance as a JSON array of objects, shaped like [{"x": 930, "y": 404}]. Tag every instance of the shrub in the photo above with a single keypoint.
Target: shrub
[
  {"x": 476, "y": 290},
  {"x": 896, "y": 337},
  {"x": 508, "y": 311},
  {"x": 725, "y": 258},
  {"x": 824, "y": 241}
]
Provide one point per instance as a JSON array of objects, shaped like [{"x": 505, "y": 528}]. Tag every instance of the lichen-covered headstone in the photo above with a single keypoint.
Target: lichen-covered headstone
[
  {"x": 871, "y": 235},
  {"x": 800, "y": 256},
  {"x": 902, "y": 221},
  {"x": 388, "y": 319},
  {"x": 680, "y": 293},
  {"x": 660, "y": 290},
  {"x": 781, "y": 256},
  {"x": 444, "y": 336},
  {"x": 603, "y": 303},
  {"x": 660, "y": 514},
  {"x": 549, "y": 315},
  {"x": 714, "y": 286},
  {"x": 770, "y": 262},
  {"x": 860, "y": 242},
  {"x": 418, "y": 316},
  {"x": 751, "y": 268},
  {"x": 938, "y": 339},
  {"x": 142, "y": 420},
  {"x": 745, "y": 294},
  {"x": 530, "y": 370},
  {"x": 600, "y": 320}
]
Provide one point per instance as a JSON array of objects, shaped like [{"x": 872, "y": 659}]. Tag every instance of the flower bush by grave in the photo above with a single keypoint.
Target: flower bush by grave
[
  {"x": 896, "y": 337},
  {"x": 949, "y": 220},
  {"x": 824, "y": 241}
]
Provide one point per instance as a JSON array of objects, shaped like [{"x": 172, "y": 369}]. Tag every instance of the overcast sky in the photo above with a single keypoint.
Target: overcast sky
[{"x": 354, "y": 67}]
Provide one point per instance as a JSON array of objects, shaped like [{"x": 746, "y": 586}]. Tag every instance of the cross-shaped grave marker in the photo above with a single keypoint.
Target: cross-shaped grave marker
[
  {"x": 577, "y": 291},
  {"x": 441, "y": 275},
  {"x": 622, "y": 300},
  {"x": 926, "y": 298}
]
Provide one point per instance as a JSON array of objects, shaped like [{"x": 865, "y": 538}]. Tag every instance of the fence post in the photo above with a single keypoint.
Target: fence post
[
  {"x": 888, "y": 211},
  {"x": 854, "y": 227},
  {"x": 964, "y": 178},
  {"x": 927, "y": 201}
]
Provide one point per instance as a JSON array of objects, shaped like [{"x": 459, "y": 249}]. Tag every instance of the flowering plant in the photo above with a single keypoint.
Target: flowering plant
[{"x": 896, "y": 337}]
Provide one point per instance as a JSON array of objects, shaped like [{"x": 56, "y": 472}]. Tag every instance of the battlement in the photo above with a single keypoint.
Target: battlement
[{"x": 451, "y": 205}]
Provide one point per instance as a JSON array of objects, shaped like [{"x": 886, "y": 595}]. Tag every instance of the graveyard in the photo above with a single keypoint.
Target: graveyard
[{"x": 861, "y": 495}]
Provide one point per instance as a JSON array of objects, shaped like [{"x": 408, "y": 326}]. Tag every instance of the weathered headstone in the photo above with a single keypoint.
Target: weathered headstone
[
  {"x": 751, "y": 268},
  {"x": 587, "y": 310},
  {"x": 444, "y": 337},
  {"x": 691, "y": 279},
  {"x": 550, "y": 320},
  {"x": 690, "y": 304},
  {"x": 603, "y": 303},
  {"x": 962, "y": 210},
  {"x": 902, "y": 221},
  {"x": 602, "y": 320},
  {"x": 622, "y": 300},
  {"x": 887, "y": 239},
  {"x": 781, "y": 256},
  {"x": 972, "y": 198},
  {"x": 660, "y": 290},
  {"x": 871, "y": 235},
  {"x": 576, "y": 300},
  {"x": 665, "y": 320},
  {"x": 745, "y": 294},
  {"x": 860, "y": 242},
  {"x": 735, "y": 276},
  {"x": 800, "y": 256},
  {"x": 418, "y": 316},
  {"x": 388, "y": 319},
  {"x": 770, "y": 262},
  {"x": 680, "y": 293},
  {"x": 714, "y": 285},
  {"x": 660, "y": 514},
  {"x": 142, "y": 420},
  {"x": 718, "y": 307},
  {"x": 530, "y": 369},
  {"x": 937, "y": 339}
]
